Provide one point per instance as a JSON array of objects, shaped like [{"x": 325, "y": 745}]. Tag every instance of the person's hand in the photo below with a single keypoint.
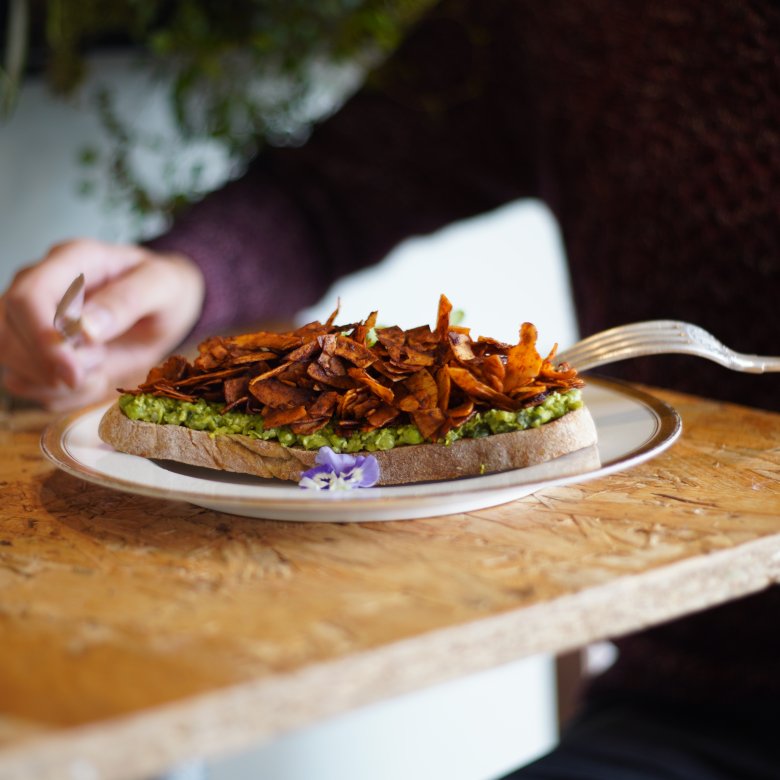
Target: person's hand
[{"x": 139, "y": 306}]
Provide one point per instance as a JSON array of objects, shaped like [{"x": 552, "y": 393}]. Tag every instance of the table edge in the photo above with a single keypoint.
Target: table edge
[{"x": 248, "y": 714}]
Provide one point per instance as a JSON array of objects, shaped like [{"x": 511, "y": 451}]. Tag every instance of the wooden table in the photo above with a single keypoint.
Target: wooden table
[{"x": 135, "y": 633}]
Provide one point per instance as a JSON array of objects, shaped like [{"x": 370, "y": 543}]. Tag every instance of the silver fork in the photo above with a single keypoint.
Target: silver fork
[{"x": 660, "y": 337}]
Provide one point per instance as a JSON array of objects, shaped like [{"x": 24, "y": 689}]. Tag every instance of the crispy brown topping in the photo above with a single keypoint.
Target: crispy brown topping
[{"x": 320, "y": 373}]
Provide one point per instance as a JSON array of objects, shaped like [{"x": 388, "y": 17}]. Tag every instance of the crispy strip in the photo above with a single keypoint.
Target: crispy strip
[
  {"x": 443, "y": 318},
  {"x": 356, "y": 353},
  {"x": 174, "y": 368},
  {"x": 251, "y": 357},
  {"x": 365, "y": 407},
  {"x": 306, "y": 427},
  {"x": 485, "y": 343},
  {"x": 389, "y": 370},
  {"x": 424, "y": 389},
  {"x": 429, "y": 421},
  {"x": 523, "y": 361},
  {"x": 305, "y": 352},
  {"x": 422, "y": 338},
  {"x": 493, "y": 372},
  {"x": 461, "y": 346},
  {"x": 325, "y": 404},
  {"x": 329, "y": 322},
  {"x": 410, "y": 358},
  {"x": 479, "y": 390},
  {"x": 212, "y": 354},
  {"x": 377, "y": 388},
  {"x": 276, "y": 417},
  {"x": 348, "y": 400},
  {"x": 332, "y": 364},
  {"x": 443, "y": 387},
  {"x": 213, "y": 376},
  {"x": 282, "y": 342},
  {"x": 362, "y": 329},
  {"x": 382, "y": 415},
  {"x": 234, "y": 404},
  {"x": 279, "y": 395},
  {"x": 391, "y": 337},
  {"x": 319, "y": 374},
  {"x": 235, "y": 388},
  {"x": 169, "y": 392},
  {"x": 462, "y": 412}
]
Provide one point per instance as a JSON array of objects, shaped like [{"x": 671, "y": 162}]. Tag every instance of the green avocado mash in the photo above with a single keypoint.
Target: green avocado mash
[{"x": 205, "y": 416}]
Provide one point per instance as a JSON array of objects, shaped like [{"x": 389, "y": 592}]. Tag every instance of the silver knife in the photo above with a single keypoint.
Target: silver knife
[{"x": 67, "y": 317}]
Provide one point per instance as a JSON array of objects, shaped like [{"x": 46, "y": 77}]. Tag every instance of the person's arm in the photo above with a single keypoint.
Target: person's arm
[{"x": 438, "y": 134}]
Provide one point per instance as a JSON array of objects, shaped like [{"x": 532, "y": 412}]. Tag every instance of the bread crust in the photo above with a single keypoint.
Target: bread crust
[{"x": 401, "y": 465}]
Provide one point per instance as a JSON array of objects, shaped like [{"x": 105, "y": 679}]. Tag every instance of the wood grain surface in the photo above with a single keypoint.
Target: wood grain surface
[{"x": 136, "y": 632}]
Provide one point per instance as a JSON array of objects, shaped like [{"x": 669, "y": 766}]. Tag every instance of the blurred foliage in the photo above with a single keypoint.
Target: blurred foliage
[{"x": 237, "y": 72}]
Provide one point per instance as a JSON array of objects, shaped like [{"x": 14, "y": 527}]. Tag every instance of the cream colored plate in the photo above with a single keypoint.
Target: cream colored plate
[{"x": 632, "y": 427}]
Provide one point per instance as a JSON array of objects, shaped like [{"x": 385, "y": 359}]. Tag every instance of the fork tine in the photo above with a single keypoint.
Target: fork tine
[
  {"x": 622, "y": 342},
  {"x": 656, "y": 337},
  {"x": 599, "y": 353},
  {"x": 659, "y": 329}
]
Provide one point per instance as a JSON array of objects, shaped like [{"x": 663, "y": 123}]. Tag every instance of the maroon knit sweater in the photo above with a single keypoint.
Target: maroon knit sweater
[{"x": 652, "y": 131}]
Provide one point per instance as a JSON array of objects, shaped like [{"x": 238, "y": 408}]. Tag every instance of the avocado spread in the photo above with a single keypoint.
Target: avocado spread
[{"x": 205, "y": 416}]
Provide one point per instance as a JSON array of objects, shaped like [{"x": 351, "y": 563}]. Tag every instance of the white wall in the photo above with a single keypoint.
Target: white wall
[
  {"x": 500, "y": 269},
  {"x": 493, "y": 268}
]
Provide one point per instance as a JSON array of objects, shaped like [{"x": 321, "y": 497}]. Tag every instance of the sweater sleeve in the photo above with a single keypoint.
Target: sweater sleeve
[{"x": 431, "y": 138}]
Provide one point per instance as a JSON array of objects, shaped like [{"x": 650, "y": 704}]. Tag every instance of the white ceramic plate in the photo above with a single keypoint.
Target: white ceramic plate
[{"x": 632, "y": 427}]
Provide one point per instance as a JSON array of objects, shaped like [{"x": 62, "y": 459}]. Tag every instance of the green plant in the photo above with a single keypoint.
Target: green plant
[{"x": 238, "y": 73}]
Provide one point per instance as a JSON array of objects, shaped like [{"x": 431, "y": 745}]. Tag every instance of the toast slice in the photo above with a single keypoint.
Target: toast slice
[{"x": 400, "y": 465}]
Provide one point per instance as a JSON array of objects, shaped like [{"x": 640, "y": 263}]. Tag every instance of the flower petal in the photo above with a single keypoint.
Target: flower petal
[
  {"x": 339, "y": 463},
  {"x": 340, "y": 472},
  {"x": 369, "y": 470}
]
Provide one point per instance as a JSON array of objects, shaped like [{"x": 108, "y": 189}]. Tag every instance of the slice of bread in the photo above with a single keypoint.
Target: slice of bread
[{"x": 400, "y": 465}]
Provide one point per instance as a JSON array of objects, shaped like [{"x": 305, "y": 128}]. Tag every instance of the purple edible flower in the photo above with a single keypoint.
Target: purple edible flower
[{"x": 340, "y": 471}]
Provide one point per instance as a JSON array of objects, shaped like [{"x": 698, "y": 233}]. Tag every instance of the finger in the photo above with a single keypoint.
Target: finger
[
  {"x": 38, "y": 288},
  {"x": 159, "y": 289},
  {"x": 34, "y": 365},
  {"x": 26, "y": 363},
  {"x": 35, "y": 291},
  {"x": 33, "y": 369},
  {"x": 59, "y": 397}
]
